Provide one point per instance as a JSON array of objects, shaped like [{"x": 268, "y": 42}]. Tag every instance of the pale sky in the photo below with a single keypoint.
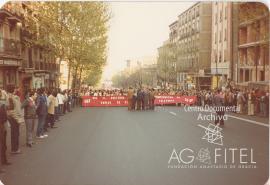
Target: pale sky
[{"x": 137, "y": 29}]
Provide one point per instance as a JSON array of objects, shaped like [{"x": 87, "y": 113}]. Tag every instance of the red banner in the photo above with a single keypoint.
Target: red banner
[
  {"x": 104, "y": 101},
  {"x": 121, "y": 101},
  {"x": 163, "y": 100}
]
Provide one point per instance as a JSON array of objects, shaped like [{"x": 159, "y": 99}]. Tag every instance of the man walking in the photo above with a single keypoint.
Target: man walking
[
  {"x": 218, "y": 102},
  {"x": 146, "y": 99},
  {"x": 139, "y": 99},
  {"x": 134, "y": 100},
  {"x": 152, "y": 99},
  {"x": 129, "y": 97}
]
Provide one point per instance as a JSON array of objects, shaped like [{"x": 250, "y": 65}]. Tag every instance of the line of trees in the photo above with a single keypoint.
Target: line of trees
[{"x": 77, "y": 34}]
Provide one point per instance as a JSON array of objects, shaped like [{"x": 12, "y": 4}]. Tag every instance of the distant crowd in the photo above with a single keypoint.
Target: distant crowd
[
  {"x": 249, "y": 101},
  {"x": 37, "y": 109}
]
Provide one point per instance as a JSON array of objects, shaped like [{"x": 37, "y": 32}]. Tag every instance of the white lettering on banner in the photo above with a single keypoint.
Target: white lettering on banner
[
  {"x": 166, "y": 101},
  {"x": 188, "y": 100},
  {"x": 87, "y": 100},
  {"x": 118, "y": 97},
  {"x": 105, "y": 102},
  {"x": 122, "y": 100},
  {"x": 165, "y": 97}
]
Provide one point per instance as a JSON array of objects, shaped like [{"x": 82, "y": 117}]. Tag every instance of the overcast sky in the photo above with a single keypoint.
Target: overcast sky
[{"x": 137, "y": 29}]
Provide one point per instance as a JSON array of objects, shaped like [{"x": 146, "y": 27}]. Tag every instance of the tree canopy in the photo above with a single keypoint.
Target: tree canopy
[{"x": 76, "y": 32}]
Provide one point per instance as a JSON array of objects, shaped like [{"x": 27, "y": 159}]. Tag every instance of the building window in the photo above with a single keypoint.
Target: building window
[
  {"x": 198, "y": 11},
  {"x": 220, "y": 17},
  {"x": 225, "y": 34},
  {"x": 1, "y": 78},
  {"x": 215, "y": 37},
  {"x": 10, "y": 76},
  {"x": 226, "y": 12},
  {"x": 1, "y": 42},
  {"x": 220, "y": 36},
  {"x": 216, "y": 18}
]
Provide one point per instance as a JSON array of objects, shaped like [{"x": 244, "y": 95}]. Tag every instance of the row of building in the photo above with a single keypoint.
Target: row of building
[
  {"x": 23, "y": 63},
  {"x": 212, "y": 43}
]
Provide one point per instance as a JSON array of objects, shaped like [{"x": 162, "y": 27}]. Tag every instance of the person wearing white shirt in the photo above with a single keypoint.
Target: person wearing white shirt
[
  {"x": 64, "y": 96},
  {"x": 56, "y": 109},
  {"x": 60, "y": 102}
]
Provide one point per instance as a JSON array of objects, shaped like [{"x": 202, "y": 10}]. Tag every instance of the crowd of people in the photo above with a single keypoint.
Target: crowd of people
[
  {"x": 38, "y": 110},
  {"x": 141, "y": 99},
  {"x": 248, "y": 101},
  {"x": 103, "y": 92}
]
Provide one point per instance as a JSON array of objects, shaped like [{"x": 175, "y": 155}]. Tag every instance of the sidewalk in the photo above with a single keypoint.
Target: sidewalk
[{"x": 22, "y": 140}]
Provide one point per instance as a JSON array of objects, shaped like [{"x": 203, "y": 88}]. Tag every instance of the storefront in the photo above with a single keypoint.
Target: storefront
[
  {"x": 9, "y": 72},
  {"x": 40, "y": 79}
]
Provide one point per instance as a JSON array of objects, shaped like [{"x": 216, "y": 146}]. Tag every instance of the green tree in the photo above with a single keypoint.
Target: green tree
[{"x": 76, "y": 32}]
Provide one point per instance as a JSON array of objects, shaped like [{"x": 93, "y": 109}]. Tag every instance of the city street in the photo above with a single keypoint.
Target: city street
[{"x": 112, "y": 146}]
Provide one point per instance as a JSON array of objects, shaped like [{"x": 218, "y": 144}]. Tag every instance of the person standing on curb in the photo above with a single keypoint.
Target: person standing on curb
[
  {"x": 15, "y": 118},
  {"x": 3, "y": 132},
  {"x": 41, "y": 113},
  {"x": 51, "y": 107},
  {"x": 30, "y": 116},
  {"x": 60, "y": 102},
  {"x": 251, "y": 102}
]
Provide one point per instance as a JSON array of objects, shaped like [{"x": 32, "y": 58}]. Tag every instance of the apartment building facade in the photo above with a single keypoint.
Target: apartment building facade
[
  {"x": 194, "y": 46},
  {"x": 10, "y": 45},
  {"x": 22, "y": 62},
  {"x": 252, "y": 69},
  {"x": 224, "y": 42}
]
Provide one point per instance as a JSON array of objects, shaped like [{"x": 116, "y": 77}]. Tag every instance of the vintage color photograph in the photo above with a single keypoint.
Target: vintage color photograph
[{"x": 134, "y": 93}]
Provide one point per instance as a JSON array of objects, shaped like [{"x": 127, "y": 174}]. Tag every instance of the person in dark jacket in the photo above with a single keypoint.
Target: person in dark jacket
[
  {"x": 15, "y": 118},
  {"x": 134, "y": 99},
  {"x": 152, "y": 99},
  {"x": 139, "y": 99},
  {"x": 3, "y": 132},
  {"x": 218, "y": 102},
  {"x": 30, "y": 116},
  {"x": 42, "y": 112},
  {"x": 146, "y": 99}
]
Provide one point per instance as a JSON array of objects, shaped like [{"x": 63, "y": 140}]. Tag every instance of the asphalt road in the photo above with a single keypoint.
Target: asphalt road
[{"x": 111, "y": 146}]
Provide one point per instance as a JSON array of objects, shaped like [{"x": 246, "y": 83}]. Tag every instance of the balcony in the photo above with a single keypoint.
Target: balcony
[{"x": 10, "y": 47}]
